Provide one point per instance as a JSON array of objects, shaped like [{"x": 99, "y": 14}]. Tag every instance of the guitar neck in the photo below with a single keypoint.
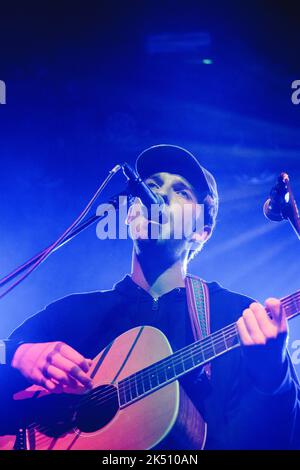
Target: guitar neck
[{"x": 185, "y": 360}]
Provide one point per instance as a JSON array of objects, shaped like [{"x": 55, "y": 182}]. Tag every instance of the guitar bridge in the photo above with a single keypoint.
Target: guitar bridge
[{"x": 21, "y": 439}]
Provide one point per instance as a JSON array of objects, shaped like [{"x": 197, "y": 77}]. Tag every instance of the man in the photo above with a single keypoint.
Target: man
[{"x": 251, "y": 399}]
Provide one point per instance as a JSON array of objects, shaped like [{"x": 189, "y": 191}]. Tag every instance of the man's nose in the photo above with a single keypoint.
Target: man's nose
[
  {"x": 162, "y": 193},
  {"x": 164, "y": 196}
]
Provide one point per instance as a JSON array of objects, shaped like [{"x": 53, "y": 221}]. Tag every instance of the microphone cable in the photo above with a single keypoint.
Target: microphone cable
[{"x": 43, "y": 255}]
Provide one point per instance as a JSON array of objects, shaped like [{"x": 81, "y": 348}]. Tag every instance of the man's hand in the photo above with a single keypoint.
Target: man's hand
[
  {"x": 263, "y": 333},
  {"x": 56, "y": 366}
]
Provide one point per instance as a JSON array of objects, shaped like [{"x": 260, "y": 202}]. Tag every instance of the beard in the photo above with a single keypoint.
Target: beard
[
  {"x": 161, "y": 250},
  {"x": 162, "y": 238}
]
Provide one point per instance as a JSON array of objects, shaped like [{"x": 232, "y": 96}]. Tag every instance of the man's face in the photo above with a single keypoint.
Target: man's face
[{"x": 179, "y": 215}]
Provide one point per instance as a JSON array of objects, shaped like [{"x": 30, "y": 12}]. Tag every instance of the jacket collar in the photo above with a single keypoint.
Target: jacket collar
[{"x": 130, "y": 289}]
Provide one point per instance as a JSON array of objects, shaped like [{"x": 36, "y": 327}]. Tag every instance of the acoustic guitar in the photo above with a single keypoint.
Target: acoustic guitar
[{"x": 136, "y": 402}]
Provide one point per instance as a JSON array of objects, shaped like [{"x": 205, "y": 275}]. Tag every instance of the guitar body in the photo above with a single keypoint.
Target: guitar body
[{"x": 165, "y": 418}]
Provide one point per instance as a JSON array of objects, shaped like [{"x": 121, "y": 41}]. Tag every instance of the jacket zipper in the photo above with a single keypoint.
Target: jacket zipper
[{"x": 154, "y": 304}]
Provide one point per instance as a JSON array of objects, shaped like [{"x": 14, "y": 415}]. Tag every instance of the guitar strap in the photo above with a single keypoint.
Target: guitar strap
[{"x": 197, "y": 294}]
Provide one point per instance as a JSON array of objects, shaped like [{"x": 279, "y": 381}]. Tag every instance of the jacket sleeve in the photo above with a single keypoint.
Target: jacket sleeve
[
  {"x": 41, "y": 327},
  {"x": 264, "y": 420},
  {"x": 250, "y": 418},
  {"x": 74, "y": 320}
]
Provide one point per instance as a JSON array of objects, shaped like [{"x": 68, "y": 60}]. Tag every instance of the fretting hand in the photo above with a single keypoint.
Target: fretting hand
[{"x": 263, "y": 334}]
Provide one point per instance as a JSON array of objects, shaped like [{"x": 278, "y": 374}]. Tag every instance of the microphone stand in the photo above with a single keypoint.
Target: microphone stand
[{"x": 84, "y": 225}]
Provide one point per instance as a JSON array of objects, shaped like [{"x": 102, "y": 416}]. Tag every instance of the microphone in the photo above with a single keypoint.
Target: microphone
[
  {"x": 276, "y": 205},
  {"x": 137, "y": 188},
  {"x": 281, "y": 204},
  {"x": 272, "y": 210}
]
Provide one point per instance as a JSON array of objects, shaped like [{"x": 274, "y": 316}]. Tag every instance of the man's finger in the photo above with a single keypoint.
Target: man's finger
[
  {"x": 66, "y": 371},
  {"x": 83, "y": 378},
  {"x": 275, "y": 308},
  {"x": 74, "y": 356},
  {"x": 61, "y": 362},
  {"x": 243, "y": 332},
  {"x": 51, "y": 372},
  {"x": 47, "y": 383},
  {"x": 252, "y": 327},
  {"x": 263, "y": 320}
]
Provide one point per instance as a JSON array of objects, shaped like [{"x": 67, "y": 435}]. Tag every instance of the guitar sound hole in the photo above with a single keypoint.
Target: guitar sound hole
[{"x": 97, "y": 408}]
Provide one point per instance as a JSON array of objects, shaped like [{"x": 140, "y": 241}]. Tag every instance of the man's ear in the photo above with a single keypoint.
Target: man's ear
[
  {"x": 130, "y": 216},
  {"x": 134, "y": 211},
  {"x": 201, "y": 237}
]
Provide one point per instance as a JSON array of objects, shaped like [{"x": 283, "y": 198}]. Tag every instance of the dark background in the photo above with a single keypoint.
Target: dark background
[{"x": 90, "y": 84}]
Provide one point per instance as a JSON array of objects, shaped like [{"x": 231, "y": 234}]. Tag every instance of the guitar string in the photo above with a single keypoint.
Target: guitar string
[
  {"x": 291, "y": 304},
  {"x": 291, "y": 296},
  {"x": 102, "y": 397}
]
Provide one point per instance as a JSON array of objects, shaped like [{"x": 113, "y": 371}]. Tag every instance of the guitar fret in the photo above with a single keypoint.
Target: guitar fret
[
  {"x": 147, "y": 382},
  {"x": 231, "y": 339},
  {"x": 161, "y": 376},
  {"x": 188, "y": 360},
  {"x": 127, "y": 392},
  {"x": 224, "y": 339},
  {"x": 295, "y": 304},
  {"x": 198, "y": 355},
  {"x": 170, "y": 371},
  {"x": 153, "y": 380},
  {"x": 192, "y": 358},
  {"x": 291, "y": 304},
  {"x": 179, "y": 366},
  {"x": 208, "y": 350},
  {"x": 121, "y": 394},
  {"x": 134, "y": 391},
  {"x": 289, "y": 310},
  {"x": 219, "y": 344},
  {"x": 140, "y": 385},
  {"x": 213, "y": 345}
]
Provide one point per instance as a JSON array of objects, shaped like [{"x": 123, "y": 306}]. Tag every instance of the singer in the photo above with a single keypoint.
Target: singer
[{"x": 109, "y": 351}]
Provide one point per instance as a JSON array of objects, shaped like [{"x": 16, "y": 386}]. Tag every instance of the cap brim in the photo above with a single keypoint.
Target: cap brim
[{"x": 172, "y": 159}]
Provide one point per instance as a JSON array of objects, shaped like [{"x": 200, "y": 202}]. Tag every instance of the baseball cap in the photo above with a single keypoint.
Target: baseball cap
[{"x": 174, "y": 159}]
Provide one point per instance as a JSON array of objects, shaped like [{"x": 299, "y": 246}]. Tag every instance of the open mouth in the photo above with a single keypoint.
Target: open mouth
[{"x": 160, "y": 218}]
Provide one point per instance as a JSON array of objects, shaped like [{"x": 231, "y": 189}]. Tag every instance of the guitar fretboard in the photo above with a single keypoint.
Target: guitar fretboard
[{"x": 195, "y": 355}]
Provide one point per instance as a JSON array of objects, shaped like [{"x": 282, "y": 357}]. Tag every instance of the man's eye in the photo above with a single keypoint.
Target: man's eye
[
  {"x": 151, "y": 184},
  {"x": 186, "y": 194}
]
